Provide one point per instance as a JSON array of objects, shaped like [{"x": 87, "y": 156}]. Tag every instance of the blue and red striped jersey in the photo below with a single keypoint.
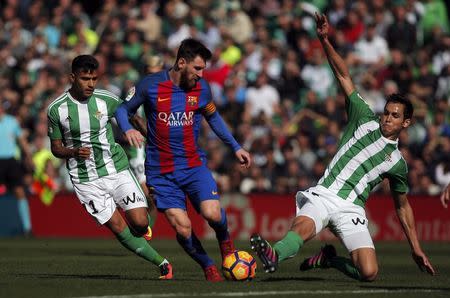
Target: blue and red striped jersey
[{"x": 173, "y": 121}]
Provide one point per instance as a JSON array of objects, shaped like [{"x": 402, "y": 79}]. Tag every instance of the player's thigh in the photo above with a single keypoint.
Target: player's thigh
[
  {"x": 126, "y": 190},
  {"x": 199, "y": 185},
  {"x": 365, "y": 259},
  {"x": 350, "y": 224},
  {"x": 116, "y": 223},
  {"x": 311, "y": 215},
  {"x": 166, "y": 192},
  {"x": 96, "y": 199}
]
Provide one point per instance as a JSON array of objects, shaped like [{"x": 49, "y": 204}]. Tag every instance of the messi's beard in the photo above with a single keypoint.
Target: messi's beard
[{"x": 184, "y": 81}]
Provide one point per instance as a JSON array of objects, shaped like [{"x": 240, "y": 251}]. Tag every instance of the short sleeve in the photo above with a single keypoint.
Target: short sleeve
[
  {"x": 54, "y": 129},
  {"x": 398, "y": 177}
]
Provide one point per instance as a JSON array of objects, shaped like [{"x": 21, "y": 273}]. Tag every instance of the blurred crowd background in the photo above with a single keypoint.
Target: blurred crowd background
[{"x": 269, "y": 77}]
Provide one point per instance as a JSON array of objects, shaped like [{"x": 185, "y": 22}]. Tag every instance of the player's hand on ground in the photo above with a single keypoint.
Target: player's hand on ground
[
  {"x": 445, "y": 197},
  {"x": 244, "y": 158},
  {"x": 422, "y": 261},
  {"x": 82, "y": 152},
  {"x": 134, "y": 138},
  {"x": 321, "y": 25}
]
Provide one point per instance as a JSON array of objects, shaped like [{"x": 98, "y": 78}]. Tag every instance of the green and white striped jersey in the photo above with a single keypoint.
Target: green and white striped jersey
[
  {"x": 87, "y": 123},
  {"x": 364, "y": 157}
]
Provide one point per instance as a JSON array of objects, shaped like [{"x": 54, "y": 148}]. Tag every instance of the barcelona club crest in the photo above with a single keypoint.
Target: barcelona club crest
[{"x": 192, "y": 100}]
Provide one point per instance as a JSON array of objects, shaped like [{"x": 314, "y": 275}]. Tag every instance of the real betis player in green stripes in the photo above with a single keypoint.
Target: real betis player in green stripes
[
  {"x": 368, "y": 153},
  {"x": 80, "y": 131}
]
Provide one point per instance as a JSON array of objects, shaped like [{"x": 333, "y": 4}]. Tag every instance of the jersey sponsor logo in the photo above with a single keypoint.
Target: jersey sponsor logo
[
  {"x": 192, "y": 100},
  {"x": 130, "y": 93},
  {"x": 161, "y": 99},
  {"x": 133, "y": 200},
  {"x": 175, "y": 119},
  {"x": 357, "y": 221}
]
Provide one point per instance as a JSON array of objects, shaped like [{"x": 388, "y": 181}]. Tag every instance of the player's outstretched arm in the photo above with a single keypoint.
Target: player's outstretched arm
[
  {"x": 406, "y": 217},
  {"x": 336, "y": 62},
  {"x": 445, "y": 196}
]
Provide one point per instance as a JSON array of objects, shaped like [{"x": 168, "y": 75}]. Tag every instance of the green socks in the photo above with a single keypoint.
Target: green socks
[
  {"x": 346, "y": 266},
  {"x": 288, "y": 246},
  {"x": 151, "y": 221},
  {"x": 139, "y": 246}
]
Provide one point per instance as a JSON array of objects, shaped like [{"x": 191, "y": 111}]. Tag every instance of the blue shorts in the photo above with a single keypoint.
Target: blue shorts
[{"x": 171, "y": 189}]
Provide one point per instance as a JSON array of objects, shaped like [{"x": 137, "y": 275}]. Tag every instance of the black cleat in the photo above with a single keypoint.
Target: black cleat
[
  {"x": 265, "y": 252},
  {"x": 319, "y": 260}
]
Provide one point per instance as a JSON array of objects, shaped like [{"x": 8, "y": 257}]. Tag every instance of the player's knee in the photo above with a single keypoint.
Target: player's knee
[
  {"x": 184, "y": 230},
  {"x": 212, "y": 215},
  {"x": 140, "y": 226},
  {"x": 369, "y": 274}
]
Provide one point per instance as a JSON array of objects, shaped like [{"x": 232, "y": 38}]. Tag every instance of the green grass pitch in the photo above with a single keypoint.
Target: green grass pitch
[{"x": 102, "y": 268}]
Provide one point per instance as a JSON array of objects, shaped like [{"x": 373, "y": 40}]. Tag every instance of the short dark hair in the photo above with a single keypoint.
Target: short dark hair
[
  {"x": 401, "y": 99},
  {"x": 191, "y": 48},
  {"x": 84, "y": 63}
]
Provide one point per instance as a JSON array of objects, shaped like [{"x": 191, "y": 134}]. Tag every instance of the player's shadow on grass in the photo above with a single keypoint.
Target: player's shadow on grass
[
  {"x": 400, "y": 288},
  {"x": 280, "y": 279},
  {"x": 82, "y": 276}
]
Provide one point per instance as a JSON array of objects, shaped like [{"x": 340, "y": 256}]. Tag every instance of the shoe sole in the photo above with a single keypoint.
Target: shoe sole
[{"x": 259, "y": 246}]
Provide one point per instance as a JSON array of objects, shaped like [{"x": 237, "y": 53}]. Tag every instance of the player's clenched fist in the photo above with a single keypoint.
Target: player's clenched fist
[{"x": 82, "y": 152}]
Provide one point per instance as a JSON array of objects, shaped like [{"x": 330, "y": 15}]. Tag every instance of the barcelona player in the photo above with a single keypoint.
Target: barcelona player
[{"x": 175, "y": 102}]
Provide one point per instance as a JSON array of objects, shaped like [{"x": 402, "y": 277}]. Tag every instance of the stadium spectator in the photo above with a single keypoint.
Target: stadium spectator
[
  {"x": 35, "y": 51},
  {"x": 401, "y": 34},
  {"x": 262, "y": 98},
  {"x": 80, "y": 131}
]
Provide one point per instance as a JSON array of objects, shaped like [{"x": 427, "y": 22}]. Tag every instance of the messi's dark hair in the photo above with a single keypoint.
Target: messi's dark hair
[
  {"x": 84, "y": 63},
  {"x": 191, "y": 48},
  {"x": 401, "y": 99}
]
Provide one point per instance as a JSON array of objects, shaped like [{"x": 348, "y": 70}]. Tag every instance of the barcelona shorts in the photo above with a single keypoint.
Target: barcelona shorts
[{"x": 171, "y": 189}]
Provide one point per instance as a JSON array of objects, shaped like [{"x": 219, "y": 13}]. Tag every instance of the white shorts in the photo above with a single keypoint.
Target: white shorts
[
  {"x": 101, "y": 196},
  {"x": 345, "y": 219},
  {"x": 138, "y": 168}
]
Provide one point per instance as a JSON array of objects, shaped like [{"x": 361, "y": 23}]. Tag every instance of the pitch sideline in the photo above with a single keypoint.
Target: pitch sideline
[{"x": 269, "y": 293}]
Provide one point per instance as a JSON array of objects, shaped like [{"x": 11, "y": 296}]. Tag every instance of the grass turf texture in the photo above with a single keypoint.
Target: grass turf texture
[{"x": 81, "y": 268}]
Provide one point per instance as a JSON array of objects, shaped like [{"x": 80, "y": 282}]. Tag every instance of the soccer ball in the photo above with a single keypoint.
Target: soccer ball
[{"x": 239, "y": 265}]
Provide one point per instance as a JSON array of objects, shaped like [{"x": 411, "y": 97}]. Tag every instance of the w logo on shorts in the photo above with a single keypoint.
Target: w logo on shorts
[
  {"x": 358, "y": 221},
  {"x": 132, "y": 200}
]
